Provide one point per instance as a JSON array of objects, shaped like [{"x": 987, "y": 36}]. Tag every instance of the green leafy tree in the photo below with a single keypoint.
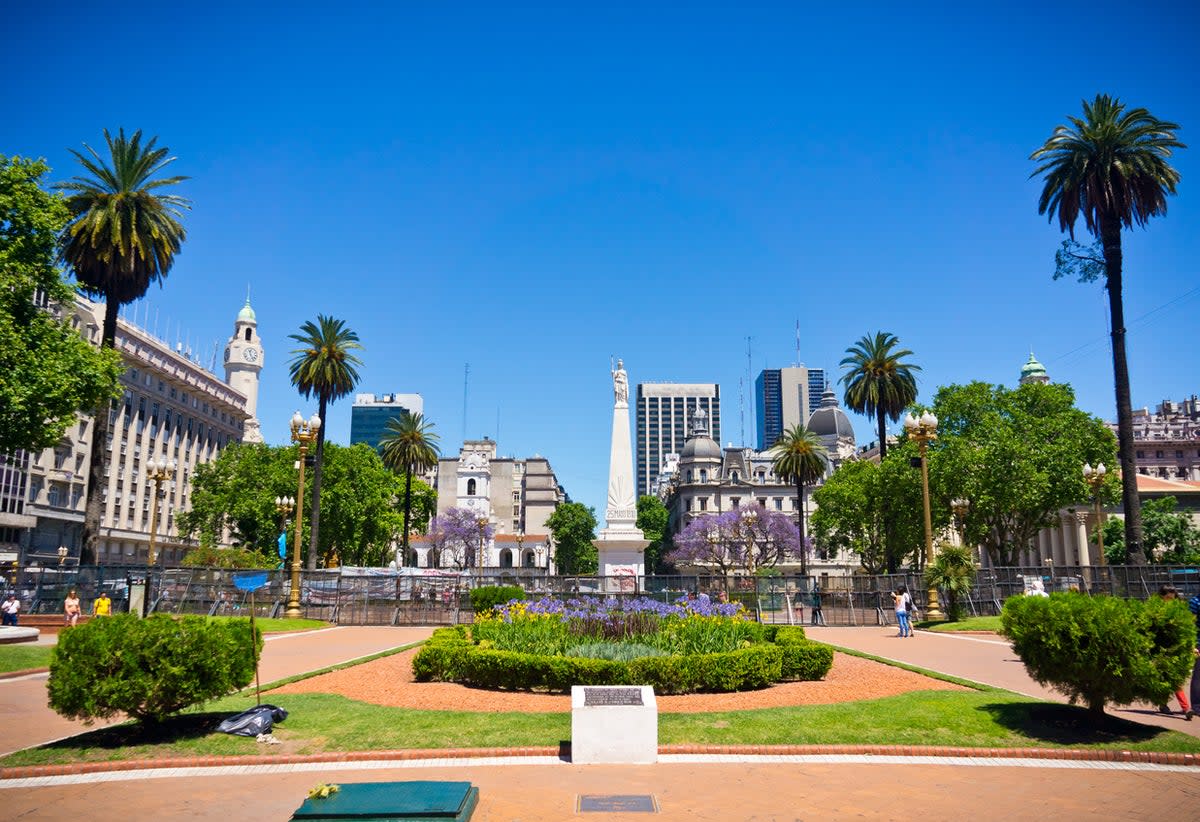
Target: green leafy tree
[
  {"x": 851, "y": 514},
  {"x": 1171, "y": 536},
  {"x": 123, "y": 235},
  {"x": 48, "y": 371},
  {"x": 652, "y": 517},
  {"x": 1016, "y": 455},
  {"x": 573, "y": 527},
  {"x": 878, "y": 381},
  {"x": 324, "y": 366},
  {"x": 408, "y": 445},
  {"x": 953, "y": 571},
  {"x": 800, "y": 457},
  {"x": 237, "y": 491},
  {"x": 362, "y": 516},
  {"x": 1111, "y": 166}
]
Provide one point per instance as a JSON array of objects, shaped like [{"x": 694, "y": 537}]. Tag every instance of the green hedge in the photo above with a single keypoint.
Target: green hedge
[
  {"x": 487, "y": 597},
  {"x": 451, "y": 657},
  {"x": 148, "y": 668}
]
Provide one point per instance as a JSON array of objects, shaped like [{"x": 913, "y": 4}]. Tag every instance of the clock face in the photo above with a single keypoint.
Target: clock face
[{"x": 250, "y": 355}]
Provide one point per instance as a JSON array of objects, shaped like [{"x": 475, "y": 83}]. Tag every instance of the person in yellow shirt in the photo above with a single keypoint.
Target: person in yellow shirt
[{"x": 102, "y": 606}]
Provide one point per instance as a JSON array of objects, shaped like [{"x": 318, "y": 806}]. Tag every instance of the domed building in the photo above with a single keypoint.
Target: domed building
[
  {"x": 1034, "y": 371},
  {"x": 831, "y": 424}
]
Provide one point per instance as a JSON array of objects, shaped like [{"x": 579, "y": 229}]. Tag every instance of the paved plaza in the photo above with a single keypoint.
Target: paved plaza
[{"x": 701, "y": 787}]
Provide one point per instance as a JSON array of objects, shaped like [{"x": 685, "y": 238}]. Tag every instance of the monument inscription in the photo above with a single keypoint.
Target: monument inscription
[{"x": 594, "y": 697}]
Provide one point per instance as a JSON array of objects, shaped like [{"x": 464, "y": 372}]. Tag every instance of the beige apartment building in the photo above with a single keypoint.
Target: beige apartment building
[{"x": 172, "y": 409}]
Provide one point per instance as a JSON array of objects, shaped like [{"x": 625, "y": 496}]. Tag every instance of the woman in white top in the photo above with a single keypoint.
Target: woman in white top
[{"x": 903, "y": 609}]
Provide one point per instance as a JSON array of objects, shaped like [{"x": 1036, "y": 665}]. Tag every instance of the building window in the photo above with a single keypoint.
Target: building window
[
  {"x": 733, "y": 476},
  {"x": 704, "y": 475},
  {"x": 735, "y": 501},
  {"x": 1141, "y": 455},
  {"x": 1158, "y": 455},
  {"x": 470, "y": 488},
  {"x": 778, "y": 503},
  {"x": 703, "y": 503},
  {"x": 247, "y": 335}
]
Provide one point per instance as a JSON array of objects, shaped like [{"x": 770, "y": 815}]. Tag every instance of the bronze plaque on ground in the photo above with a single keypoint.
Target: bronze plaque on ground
[
  {"x": 617, "y": 803},
  {"x": 611, "y": 696}
]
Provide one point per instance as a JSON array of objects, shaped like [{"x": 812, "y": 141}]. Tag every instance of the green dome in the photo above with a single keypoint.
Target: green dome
[
  {"x": 1033, "y": 368},
  {"x": 246, "y": 315}
]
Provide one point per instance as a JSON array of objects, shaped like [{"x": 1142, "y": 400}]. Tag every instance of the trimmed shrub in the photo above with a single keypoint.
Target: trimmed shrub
[
  {"x": 808, "y": 661},
  {"x": 1101, "y": 649},
  {"x": 487, "y": 597},
  {"x": 788, "y": 635},
  {"x": 148, "y": 668}
]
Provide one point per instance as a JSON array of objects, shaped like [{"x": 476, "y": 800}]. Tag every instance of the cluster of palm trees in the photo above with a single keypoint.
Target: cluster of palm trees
[
  {"x": 880, "y": 383},
  {"x": 1110, "y": 166}
]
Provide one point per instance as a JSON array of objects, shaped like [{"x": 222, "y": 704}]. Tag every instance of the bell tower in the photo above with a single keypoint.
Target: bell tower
[{"x": 243, "y": 363}]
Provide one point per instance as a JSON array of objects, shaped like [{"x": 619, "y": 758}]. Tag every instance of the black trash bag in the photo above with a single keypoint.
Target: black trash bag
[{"x": 255, "y": 721}]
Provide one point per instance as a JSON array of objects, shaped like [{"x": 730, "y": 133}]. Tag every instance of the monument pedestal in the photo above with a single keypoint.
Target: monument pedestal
[
  {"x": 614, "y": 725},
  {"x": 622, "y": 560}
]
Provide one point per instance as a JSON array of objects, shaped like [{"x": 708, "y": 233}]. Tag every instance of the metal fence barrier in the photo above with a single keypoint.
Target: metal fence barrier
[{"x": 348, "y": 596}]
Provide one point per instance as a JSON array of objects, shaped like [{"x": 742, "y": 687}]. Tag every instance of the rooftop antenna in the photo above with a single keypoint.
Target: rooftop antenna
[
  {"x": 797, "y": 341},
  {"x": 466, "y": 379},
  {"x": 212, "y": 365}
]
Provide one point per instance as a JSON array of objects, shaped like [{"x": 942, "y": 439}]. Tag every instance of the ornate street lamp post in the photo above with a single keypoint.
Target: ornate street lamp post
[
  {"x": 159, "y": 471},
  {"x": 923, "y": 429},
  {"x": 1094, "y": 477},
  {"x": 62, "y": 555},
  {"x": 303, "y": 433}
]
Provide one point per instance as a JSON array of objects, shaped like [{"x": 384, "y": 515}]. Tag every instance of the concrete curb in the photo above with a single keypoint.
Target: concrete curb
[
  {"x": 26, "y": 672},
  {"x": 1073, "y": 754}
]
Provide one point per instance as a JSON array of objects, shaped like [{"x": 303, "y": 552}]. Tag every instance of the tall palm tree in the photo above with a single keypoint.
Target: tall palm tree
[
  {"x": 123, "y": 235},
  {"x": 878, "y": 381},
  {"x": 408, "y": 444},
  {"x": 800, "y": 457},
  {"x": 1111, "y": 165},
  {"x": 323, "y": 366}
]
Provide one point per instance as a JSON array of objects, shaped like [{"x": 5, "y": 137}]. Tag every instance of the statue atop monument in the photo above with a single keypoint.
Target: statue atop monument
[{"x": 620, "y": 385}]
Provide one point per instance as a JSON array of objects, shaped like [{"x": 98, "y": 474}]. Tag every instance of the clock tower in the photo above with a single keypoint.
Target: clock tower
[{"x": 243, "y": 362}]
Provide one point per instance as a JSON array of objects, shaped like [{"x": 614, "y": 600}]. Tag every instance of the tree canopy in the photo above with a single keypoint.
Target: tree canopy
[
  {"x": 1171, "y": 536},
  {"x": 1017, "y": 456},
  {"x": 237, "y": 492},
  {"x": 573, "y": 527},
  {"x": 652, "y": 519},
  {"x": 745, "y": 540},
  {"x": 48, "y": 371},
  {"x": 458, "y": 538}
]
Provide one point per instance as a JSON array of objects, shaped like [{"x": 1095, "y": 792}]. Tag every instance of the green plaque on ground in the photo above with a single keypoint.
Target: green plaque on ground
[{"x": 385, "y": 801}]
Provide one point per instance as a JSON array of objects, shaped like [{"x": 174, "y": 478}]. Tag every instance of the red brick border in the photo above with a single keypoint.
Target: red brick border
[{"x": 1144, "y": 757}]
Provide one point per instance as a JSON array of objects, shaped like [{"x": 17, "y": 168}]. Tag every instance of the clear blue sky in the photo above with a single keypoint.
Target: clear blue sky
[{"x": 531, "y": 189}]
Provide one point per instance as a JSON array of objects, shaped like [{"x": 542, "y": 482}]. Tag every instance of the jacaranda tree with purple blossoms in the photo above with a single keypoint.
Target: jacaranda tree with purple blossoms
[
  {"x": 742, "y": 540},
  {"x": 458, "y": 538}
]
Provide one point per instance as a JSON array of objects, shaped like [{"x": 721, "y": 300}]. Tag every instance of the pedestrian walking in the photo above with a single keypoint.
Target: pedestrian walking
[
  {"x": 816, "y": 616},
  {"x": 903, "y": 604},
  {"x": 102, "y": 606},
  {"x": 71, "y": 609},
  {"x": 1194, "y": 607},
  {"x": 10, "y": 609}
]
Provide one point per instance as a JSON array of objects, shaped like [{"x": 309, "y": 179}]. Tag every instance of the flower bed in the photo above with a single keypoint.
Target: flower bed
[{"x": 688, "y": 647}]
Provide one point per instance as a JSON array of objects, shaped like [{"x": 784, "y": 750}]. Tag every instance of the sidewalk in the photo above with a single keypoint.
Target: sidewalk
[
  {"x": 27, "y": 720},
  {"x": 986, "y": 659}
]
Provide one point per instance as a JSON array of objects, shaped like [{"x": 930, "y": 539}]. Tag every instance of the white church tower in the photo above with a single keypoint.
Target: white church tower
[{"x": 243, "y": 363}]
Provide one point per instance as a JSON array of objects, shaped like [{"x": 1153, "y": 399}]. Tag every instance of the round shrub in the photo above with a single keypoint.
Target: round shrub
[
  {"x": 148, "y": 668},
  {"x": 487, "y": 598},
  {"x": 1100, "y": 649}
]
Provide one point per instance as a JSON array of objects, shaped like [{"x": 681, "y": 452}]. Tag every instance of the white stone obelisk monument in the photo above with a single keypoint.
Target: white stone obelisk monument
[{"x": 621, "y": 545}]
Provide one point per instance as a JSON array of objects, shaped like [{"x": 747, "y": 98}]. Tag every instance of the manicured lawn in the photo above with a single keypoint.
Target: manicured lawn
[
  {"x": 323, "y": 722},
  {"x": 981, "y": 623},
  {"x": 23, "y": 657},
  {"x": 280, "y": 625}
]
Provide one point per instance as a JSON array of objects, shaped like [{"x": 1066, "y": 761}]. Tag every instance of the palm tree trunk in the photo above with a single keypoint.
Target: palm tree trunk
[
  {"x": 407, "y": 510},
  {"x": 1111, "y": 237},
  {"x": 94, "y": 508},
  {"x": 800, "y": 525},
  {"x": 314, "y": 542},
  {"x": 889, "y": 556}
]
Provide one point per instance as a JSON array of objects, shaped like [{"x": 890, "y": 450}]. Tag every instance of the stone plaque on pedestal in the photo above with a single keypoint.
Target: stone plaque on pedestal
[{"x": 614, "y": 725}]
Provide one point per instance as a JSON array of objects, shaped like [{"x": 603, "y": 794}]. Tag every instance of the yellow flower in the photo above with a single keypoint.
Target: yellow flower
[{"x": 323, "y": 791}]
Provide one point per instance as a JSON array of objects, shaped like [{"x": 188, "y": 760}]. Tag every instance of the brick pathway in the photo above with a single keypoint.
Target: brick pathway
[{"x": 715, "y": 789}]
